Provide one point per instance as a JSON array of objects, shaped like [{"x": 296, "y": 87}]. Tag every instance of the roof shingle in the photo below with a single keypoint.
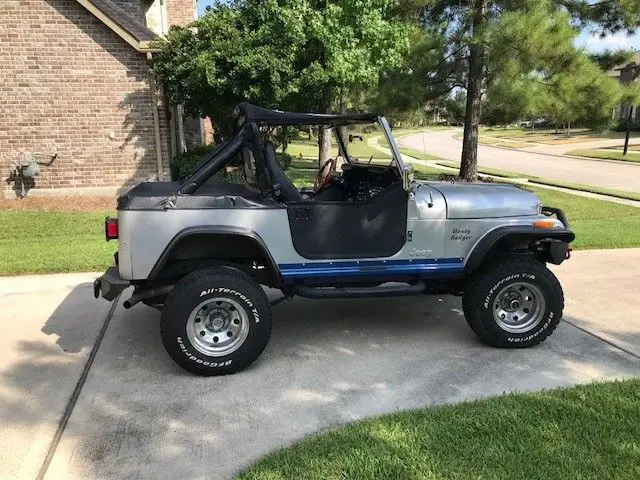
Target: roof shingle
[{"x": 124, "y": 20}]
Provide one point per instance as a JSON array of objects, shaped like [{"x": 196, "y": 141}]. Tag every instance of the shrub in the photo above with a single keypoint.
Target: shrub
[
  {"x": 284, "y": 160},
  {"x": 183, "y": 164}
]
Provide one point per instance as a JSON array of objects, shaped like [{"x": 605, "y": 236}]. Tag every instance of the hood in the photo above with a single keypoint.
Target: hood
[{"x": 486, "y": 200}]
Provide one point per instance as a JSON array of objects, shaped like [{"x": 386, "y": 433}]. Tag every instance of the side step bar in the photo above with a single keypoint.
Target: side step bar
[{"x": 360, "y": 292}]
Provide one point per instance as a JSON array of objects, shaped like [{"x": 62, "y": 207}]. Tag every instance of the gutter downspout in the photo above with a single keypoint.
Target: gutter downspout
[
  {"x": 156, "y": 120},
  {"x": 182, "y": 141}
]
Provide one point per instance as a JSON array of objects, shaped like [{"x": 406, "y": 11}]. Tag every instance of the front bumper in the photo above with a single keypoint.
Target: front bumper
[
  {"x": 558, "y": 250},
  {"x": 559, "y": 213},
  {"x": 110, "y": 285}
]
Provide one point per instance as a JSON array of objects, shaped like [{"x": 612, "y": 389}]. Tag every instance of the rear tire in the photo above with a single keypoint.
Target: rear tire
[
  {"x": 216, "y": 321},
  {"x": 516, "y": 303}
]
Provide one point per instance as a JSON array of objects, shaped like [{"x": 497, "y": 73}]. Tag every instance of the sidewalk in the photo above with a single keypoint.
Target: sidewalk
[
  {"x": 328, "y": 362},
  {"x": 567, "y": 147}
]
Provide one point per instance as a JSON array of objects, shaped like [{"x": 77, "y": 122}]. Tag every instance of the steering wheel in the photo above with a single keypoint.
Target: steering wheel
[{"x": 325, "y": 174}]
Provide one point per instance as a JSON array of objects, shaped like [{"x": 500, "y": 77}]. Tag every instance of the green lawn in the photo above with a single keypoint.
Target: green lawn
[
  {"x": 581, "y": 187},
  {"x": 548, "y": 135},
  {"x": 635, "y": 147},
  {"x": 424, "y": 172},
  {"x": 498, "y": 132},
  {"x": 501, "y": 141},
  {"x": 417, "y": 154},
  {"x": 508, "y": 144},
  {"x": 607, "y": 155},
  {"x": 491, "y": 171},
  {"x": 597, "y": 223},
  {"x": 588, "y": 188},
  {"x": 357, "y": 148},
  {"x": 39, "y": 241},
  {"x": 584, "y": 432},
  {"x": 43, "y": 242},
  {"x": 302, "y": 178}
]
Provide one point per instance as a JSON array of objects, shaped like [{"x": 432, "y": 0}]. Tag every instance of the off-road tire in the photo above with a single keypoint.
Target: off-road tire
[
  {"x": 483, "y": 288},
  {"x": 207, "y": 284},
  {"x": 466, "y": 311}
]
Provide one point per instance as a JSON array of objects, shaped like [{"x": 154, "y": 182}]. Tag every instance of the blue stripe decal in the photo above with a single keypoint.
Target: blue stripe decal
[{"x": 371, "y": 267}]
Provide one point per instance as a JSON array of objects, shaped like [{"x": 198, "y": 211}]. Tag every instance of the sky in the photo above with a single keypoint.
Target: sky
[
  {"x": 619, "y": 41},
  {"x": 592, "y": 42}
]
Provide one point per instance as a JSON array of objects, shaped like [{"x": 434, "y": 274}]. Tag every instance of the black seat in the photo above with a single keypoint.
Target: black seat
[{"x": 288, "y": 191}]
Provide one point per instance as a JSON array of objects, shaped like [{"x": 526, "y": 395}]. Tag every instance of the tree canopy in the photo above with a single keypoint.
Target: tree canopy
[
  {"x": 287, "y": 54},
  {"x": 516, "y": 59}
]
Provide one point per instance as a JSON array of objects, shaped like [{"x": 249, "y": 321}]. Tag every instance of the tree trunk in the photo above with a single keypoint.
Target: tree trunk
[
  {"x": 628, "y": 132},
  {"x": 469, "y": 161},
  {"x": 324, "y": 141}
]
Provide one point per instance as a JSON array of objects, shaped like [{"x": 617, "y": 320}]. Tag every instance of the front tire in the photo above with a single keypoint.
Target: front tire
[
  {"x": 516, "y": 303},
  {"x": 216, "y": 321}
]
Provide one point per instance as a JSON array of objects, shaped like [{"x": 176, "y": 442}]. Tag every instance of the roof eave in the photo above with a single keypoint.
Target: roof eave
[
  {"x": 140, "y": 46},
  {"x": 148, "y": 47}
]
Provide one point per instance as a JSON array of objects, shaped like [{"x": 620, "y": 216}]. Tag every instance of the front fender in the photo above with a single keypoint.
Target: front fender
[{"x": 551, "y": 243}]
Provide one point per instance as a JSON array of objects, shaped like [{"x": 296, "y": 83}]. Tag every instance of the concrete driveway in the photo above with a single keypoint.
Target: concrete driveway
[
  {"x": 615, "y": 175},
  {"x": 328, "y": 362}
]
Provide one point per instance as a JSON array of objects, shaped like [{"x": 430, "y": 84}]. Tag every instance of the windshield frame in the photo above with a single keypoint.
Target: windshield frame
[{"x": 395, "y": 152}]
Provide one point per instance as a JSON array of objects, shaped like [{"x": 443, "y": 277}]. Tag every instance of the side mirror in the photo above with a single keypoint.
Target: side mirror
[
  {"x": 352, "y": 137},
  {"x": 407, "y": 176}
]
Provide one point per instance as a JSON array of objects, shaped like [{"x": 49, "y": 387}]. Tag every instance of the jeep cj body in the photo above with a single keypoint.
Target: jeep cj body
[{"x": 199, "y": 249}]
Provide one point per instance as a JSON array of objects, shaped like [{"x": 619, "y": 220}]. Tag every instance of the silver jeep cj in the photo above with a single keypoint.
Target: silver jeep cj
[{"x": 200, "y": 248}]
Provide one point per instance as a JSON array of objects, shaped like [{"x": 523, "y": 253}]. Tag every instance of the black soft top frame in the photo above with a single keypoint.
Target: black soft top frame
[{"x": 246, "y": 112}]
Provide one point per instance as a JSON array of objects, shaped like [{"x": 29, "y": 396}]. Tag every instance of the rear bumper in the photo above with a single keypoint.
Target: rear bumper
[{"x": 109, "y": 285}]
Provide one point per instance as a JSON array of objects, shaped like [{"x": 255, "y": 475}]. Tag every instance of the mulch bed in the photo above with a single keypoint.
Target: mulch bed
[{"x": 67, "y": 203}]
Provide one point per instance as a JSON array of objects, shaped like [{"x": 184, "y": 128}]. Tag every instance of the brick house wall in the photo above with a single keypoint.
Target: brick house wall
[
  {"x": 71, "y": 85},
  {"x": 181, "y": 12}
]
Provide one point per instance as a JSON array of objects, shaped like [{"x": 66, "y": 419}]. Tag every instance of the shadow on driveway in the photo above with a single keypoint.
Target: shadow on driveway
[
  {"x": 328, "y": 362},
  {"x": 48, "y": 330}
]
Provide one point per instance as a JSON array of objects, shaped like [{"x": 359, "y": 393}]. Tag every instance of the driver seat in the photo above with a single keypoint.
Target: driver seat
[{"x": 288, "y": 191}]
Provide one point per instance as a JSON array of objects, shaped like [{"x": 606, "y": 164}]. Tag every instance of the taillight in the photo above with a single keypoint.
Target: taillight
[{"x": 111, "y": 228}]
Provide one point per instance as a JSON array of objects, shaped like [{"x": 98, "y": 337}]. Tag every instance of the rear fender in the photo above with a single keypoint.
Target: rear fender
[{"x": 218, "y": 244}]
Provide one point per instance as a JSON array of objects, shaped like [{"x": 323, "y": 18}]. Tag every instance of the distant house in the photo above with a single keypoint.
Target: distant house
[
  {"x": 626, "y": 74},
  {"x": 76, "y": 80}
]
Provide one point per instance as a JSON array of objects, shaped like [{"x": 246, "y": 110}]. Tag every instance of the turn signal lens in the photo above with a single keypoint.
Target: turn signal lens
[{"x": 544, "y": 224}]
